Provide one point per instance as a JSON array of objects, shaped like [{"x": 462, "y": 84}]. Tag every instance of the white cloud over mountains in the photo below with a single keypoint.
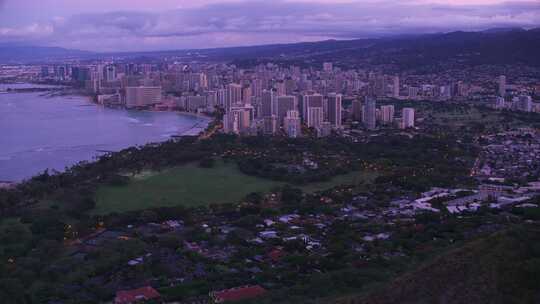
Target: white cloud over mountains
[{"x": 118, "y": 26}]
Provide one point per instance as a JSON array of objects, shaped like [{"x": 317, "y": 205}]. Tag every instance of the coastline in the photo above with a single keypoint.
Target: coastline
[
  {"x": 198, "y": 127},
  {"x": 7, "y": 185}
]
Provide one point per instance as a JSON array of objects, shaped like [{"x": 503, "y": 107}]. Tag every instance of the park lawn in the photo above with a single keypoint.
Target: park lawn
[
  {"x": 458, "y": 118},
  {"x": 193, "y": 186}
]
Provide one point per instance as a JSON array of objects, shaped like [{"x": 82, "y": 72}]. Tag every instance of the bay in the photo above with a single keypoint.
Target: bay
[{"x": 39, "y": 132}]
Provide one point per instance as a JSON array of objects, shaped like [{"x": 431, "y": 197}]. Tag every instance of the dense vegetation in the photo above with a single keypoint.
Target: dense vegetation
[{"x": 501, "y": 268}]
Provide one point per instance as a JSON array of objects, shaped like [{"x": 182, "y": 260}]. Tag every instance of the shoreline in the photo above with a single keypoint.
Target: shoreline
[
  {"x": 78, "y": 93},
  {"x": 197, "y": 128},
  {"x": 194, "y": 130}
]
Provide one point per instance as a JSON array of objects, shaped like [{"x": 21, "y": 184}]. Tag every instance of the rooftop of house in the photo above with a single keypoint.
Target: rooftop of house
[
  {"x": 238, "y": 293},
  {"x": 136, "y": 295}
]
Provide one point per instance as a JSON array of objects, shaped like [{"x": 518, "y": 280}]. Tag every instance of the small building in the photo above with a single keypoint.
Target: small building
[
  {"x": 139, "y": 295},
  {"x": 237, "y": 294}
]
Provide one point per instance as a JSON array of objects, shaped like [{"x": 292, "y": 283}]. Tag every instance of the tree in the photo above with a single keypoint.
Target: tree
[
  {"x": 291, "y": 195},
  {"x": 148, "y": 216},
  {"x": 254, "y": 198}
]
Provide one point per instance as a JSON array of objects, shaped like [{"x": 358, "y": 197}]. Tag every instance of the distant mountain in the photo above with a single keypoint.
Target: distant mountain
[
  {"x": 24, "y": 53},
  {"x": 498, "y": 46},
  {"x": 498, "y": 30}
]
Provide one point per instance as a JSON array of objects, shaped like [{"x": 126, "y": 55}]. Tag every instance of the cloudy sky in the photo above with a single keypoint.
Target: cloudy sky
[{"x": 139, "y": 25}]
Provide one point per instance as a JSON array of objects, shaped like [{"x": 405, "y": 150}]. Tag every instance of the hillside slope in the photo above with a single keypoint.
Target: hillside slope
[
  {"x": 22, "y": 53},
  {"x": 502, "y": 268},
  {"x": 461, "y": 48}
]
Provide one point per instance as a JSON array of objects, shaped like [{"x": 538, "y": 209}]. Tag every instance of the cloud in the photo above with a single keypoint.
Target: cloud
[{"x": 216, "y": 24}]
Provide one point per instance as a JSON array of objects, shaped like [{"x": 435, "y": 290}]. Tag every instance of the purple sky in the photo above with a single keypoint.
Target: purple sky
[{"x": 137, "y": 25}]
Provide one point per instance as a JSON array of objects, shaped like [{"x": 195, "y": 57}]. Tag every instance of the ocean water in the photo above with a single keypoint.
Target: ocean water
[{"x": 39, "y": 132}]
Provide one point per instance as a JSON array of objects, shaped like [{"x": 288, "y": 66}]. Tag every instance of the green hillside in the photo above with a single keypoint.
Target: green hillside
[{"x": 503, "y": 268}]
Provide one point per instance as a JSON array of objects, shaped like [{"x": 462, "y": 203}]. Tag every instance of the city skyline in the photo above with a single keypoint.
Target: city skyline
[{"x": 144, "y": 26}]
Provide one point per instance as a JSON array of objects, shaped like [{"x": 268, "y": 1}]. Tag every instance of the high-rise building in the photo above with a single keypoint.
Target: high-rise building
[
  {"x": 328, "y": 67},
  {"x": 380, "y": 86},
  {"x": 60, "y": 72},
  {"x": 502, "y": 85},
  {"x": 292, "y": 124},
  {"x": 270, "y": 124},
  {"x": 407, "y": 118},
  {"x": 267, "y": 101},
  {"x": 395, "y": 87},
  {"x": 290, "y": 86},
  {"x": 142, "y": 96},
  {"x": 525, "y": 104},
  {"x": 334, "y": 109},
  {"x": 284, "y": 104},
  {"x": 315, "y": 117},
  {"x": 228, "y": 126},
  {"x": 109, "y": 73},
  {"x": 211, "y": 99},
  {"x": 309, "y": 101},
  {"x": 256, "y": 88},
  {"x": 222, "y": 98},
  {"x": 245, "y": 115},
  {"x": 370, "y": 113},
  {"x": 130, "y": 69},
  {"x": 193, "y": 103},
  {"x": 246, "y": 95},
  {"x": 80, "y": 75},
  {"x": 234, "y": 95},
  {"x": 413, "y": 92},
  {"x": 44, "y": 71},
  {"x": 499, "y": 102},
  {"x": 357, "y": 110},
  {"x": 197, "y": 81},
  {"x": 459, "y": 89},
  {"x": 281, "y": 89},
  {"x": 387, "y": 114},
  {"x": 237, "y": 120},
  {"x": 325, "y": 129}
]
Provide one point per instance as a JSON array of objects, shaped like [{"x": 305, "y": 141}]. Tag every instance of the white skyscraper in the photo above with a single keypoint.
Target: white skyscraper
[
  {"x": 525, "y": 103},
  {"x": 234, "y": 95},
  {"x": 193, "y": 103},
  {"x": 395, "y": 87},
  {"x": 413, "y": 92},
  {"x": 502, "y": 85},
  {"x": 408, "y": 118},
  {"x": 292, "y": 124},
  {"x": 328, "y": 66},
  {"x": 387, "y": 114},
  {"x": 499, "y": 102},
  {"x": 309, "y": 101},
  {"x": 238, "y": 120},
  {"x": 142, "y": 96},
  {"x": 315, "y": 117},
  {"x": 110, "y": 73}
]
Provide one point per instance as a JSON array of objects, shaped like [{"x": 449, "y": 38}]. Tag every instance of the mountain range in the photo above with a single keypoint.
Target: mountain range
[{"x": 494, "y": 46}]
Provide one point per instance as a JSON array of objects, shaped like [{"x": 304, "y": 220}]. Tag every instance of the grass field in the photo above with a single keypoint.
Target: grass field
[
  {"x": 191, "y": 186},
  {"x": 458, "y": 118}
]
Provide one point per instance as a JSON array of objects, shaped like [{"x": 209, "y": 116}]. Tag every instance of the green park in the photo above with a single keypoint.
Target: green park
[{"x": 191, "y": 185}]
